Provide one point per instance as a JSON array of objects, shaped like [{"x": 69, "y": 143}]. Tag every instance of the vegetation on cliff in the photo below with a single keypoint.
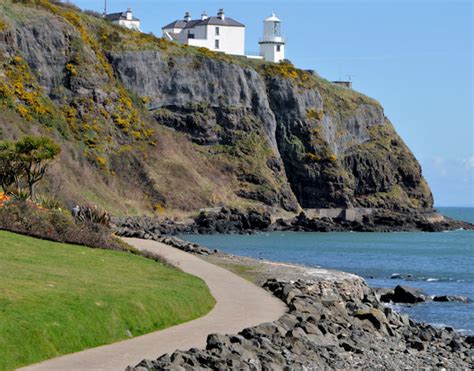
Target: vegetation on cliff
[{"x": 149, "y": 126}]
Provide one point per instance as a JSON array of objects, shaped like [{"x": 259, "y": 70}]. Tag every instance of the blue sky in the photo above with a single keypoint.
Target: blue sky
[{"x": 415, "y": 57}]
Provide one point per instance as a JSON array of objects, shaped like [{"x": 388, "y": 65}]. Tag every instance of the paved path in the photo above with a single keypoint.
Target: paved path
[{"x": 240, "y": 304}]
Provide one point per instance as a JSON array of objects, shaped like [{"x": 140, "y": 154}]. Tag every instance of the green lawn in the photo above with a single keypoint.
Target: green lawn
[{"x": 57, "y": 299}]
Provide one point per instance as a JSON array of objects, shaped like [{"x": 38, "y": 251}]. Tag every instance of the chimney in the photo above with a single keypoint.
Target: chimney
[
  {"x": 221, "y": 14},
  {"x": 204, "y": 16},
  {"x": 129, "y": 14},
  {"x": 187, "y": 17}
]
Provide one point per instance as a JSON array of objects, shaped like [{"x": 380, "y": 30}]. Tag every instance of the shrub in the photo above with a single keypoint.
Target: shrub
[
  {"x": 71, "y": 69},
  {"x": 287, "y": 70},
  {"x": 3, "y": 25},
  {"x": 21, "y": 195},
  {"x": 313, "y": 157},
  {"x": 333, "y": 158},
  {"x": 86, "y": 214},
  {"x": 314, "y": 114},
  {"x": 153, "y": 256},
  {"x": 27, "y": 218},
  {"x": 93, "y": 13},
  {"x": 49, "y": 203},
  {"x": 24, "y": 163}
]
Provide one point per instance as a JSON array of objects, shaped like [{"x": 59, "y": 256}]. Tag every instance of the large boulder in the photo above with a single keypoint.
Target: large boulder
[
  {"x": 408, "y": 295},
  {"x": 374, "y": 316},
  {"x": 450, "y": 298}
]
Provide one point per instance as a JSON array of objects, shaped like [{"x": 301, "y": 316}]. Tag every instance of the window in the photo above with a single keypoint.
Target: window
[
  {"x": 218, "y": 31},
  {"x": 277, "y": 29},
  {"x": 278, "y": 48},
  {"x": 217, "y": 44}
]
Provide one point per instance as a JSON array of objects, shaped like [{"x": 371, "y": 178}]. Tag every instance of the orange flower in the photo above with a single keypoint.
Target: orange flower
[{"x": 3, "y": 198}]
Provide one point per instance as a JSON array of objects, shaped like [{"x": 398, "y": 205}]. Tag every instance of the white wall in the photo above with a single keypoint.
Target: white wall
[
  {"x": 132, "y": 25},
  {"x": 172, "y": 30},
  {"x": 231, "y": 39},
  {"x": 269, "y": 52}
]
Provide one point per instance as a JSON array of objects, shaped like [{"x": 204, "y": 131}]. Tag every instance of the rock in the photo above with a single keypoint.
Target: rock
[
  {"x": 303, "y": 306},
  {"x": 470, "y": 340},
  {"x": 288, "y": 321},
  {"x": 455, "y": 344},
  {"x": 451, "y": 298},
  {"x": 426, "y": 334},
  {"x": 416, "y": 344},
  {"x": 216, "y": 341},
  {"x": 374, "y": 316},
  {"x": 310, "y": 328},
  {"x": 350, "y": 347},
  {"x": 385, "y": 295},
  {"x": 409, "y": 295},
  {"x": 351, "y": 331}
]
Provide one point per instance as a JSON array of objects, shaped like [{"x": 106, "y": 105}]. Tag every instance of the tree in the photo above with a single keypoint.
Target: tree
[
  {"x": 34, "y": 155},
  {"x": 10, "y": 167}
]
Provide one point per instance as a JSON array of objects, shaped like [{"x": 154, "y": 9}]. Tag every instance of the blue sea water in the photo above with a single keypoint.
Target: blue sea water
[{"x": 439, "y": 263}]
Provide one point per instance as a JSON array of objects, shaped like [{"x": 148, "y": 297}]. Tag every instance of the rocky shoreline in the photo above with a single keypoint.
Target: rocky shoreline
[
  {"x": 232, "y": 221},
  {"x": 335, "y": 320},
  {"x": 330, "y": 324}
]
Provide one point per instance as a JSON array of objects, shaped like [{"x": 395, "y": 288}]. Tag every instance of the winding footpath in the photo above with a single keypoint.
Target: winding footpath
[{"x": 240, "y": 304}]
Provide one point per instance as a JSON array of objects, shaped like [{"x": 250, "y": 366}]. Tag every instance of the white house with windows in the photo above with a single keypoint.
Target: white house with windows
[
  {"x": 125, "y": 19},
  {"x": 220, "y": 34},
  {"x": 272, "y": 44}
]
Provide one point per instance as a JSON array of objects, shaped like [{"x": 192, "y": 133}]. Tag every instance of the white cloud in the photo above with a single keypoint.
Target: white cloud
[
  {"x": 440, "y": 165},
  {"x": 469, "y": 163},
  {"x": 459, "y": 168}
]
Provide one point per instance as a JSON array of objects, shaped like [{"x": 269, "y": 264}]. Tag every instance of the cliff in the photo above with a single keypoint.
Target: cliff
[{"x": 148, "y": 126}]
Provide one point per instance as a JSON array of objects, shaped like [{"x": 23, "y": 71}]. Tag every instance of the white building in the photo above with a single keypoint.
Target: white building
[
  {"x": 125, "y": 19},
  {"x": 272, "y": 45},
  {"x": 220, "y": 34}
]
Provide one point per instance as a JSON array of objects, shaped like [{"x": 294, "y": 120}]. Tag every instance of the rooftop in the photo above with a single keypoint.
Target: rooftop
[
  {"x": 119, "y": 16},
  {"x": 208, "y": 21}
]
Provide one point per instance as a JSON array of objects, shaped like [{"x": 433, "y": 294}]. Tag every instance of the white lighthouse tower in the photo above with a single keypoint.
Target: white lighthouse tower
[{"x": 272, "y": 45}]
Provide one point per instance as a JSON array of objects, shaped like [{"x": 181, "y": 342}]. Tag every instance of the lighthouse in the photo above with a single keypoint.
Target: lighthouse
[{"x": 272, "y": 45}]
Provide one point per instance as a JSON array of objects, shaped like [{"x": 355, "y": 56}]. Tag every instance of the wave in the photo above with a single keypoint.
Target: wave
[
  {"x": 455, "y": 230},
  {"x": 412, "y": 277},
  {"x": 462, "y": 331}
]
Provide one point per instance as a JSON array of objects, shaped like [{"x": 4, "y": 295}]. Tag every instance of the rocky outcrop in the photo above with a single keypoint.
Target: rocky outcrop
[
  {"x": 334, "y": 325},
  {"x": 219, "y": 220},
  {"x": 404, "y": 294},
  {"x": 451, "y": 298},
  {"x": 409, "y": 295},
  {"x": 378, "y": 221},
  {"x": 232, "y": 220}
]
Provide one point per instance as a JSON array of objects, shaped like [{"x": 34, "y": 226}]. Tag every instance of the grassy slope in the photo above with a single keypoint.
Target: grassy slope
[{"x": 57, "y": 299}]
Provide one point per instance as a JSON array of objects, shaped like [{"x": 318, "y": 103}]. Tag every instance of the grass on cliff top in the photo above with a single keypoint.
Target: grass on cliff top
[{"x": 57, "y": 299}]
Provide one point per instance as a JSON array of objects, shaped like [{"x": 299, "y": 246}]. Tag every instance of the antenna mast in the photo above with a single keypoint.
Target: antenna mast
[{"x": 105, "y": 8}]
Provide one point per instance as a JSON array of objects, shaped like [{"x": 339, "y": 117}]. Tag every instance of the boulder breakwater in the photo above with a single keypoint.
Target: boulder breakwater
[{"x": 337, "y": 324}]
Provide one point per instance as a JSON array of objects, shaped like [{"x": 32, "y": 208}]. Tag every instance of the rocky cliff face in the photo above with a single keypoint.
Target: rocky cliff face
[{"x": 171, "y": 127}]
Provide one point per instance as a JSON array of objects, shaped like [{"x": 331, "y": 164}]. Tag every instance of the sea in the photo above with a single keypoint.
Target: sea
[{"x": 439, "y": 263}]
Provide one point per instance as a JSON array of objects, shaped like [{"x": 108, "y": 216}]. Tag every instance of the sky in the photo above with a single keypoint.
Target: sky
[{"x": 415, "y": 57}]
